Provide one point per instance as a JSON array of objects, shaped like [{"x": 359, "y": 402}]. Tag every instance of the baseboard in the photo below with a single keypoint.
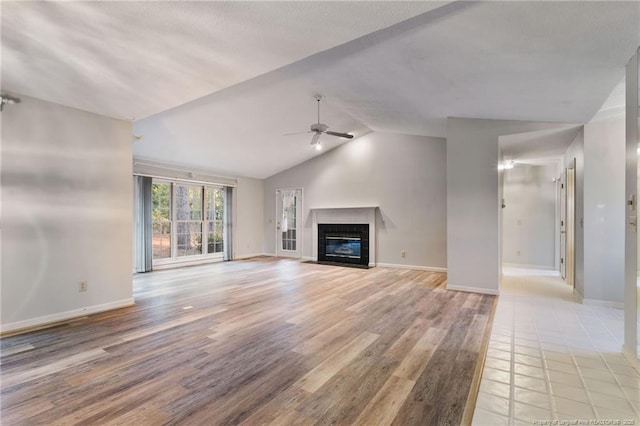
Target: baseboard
[
  {"x": 632, "y": 358},
  {"x": 53, "y": 319},
  {"x": 603, "y": 303},
  {"x": 416, "y": 267},
  {"x": 174, "y": 265},
  {"x": 525, "y": 266},
  {"x": 577, "y": 296},
  {"x": 308, "y": 259},
  {"x": 473, "y": 289},
  {"x": 249, "y": 256}
]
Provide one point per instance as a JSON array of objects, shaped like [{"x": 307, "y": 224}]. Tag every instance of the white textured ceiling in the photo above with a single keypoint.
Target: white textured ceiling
[
  {"x": 532, "y": 147},
  {"x": 541, "y": 61},
  {"x": 141, "y": 57}
]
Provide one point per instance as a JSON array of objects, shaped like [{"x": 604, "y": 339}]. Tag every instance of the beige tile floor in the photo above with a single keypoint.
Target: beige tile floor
[{"x": 552, "y": 360}]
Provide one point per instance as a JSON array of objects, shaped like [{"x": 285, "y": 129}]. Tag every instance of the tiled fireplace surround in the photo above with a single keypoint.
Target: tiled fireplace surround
[{"x": 345, "y": 215}]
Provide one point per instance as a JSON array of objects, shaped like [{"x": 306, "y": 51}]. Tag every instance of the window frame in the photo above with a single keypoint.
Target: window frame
[{"x": 204, "y": 222}]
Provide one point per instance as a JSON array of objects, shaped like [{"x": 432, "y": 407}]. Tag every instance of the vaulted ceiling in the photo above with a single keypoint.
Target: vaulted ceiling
[{"x": 217, "y": 84}]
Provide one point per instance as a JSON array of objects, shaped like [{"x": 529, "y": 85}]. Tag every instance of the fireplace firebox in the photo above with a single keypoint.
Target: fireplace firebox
[{"x": 345, "y": 244}]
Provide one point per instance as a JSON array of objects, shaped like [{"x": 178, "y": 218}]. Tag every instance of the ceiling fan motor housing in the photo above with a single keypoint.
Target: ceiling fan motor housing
[{"x": 319, "y": 127}]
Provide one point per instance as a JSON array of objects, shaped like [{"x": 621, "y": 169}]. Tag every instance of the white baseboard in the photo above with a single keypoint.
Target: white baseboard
[
  {"x": 596, "y": 302},
  {"x": 632, "y": 358},
  {"x": 308, "y": 258},
  {"x": 473, "y": 289},
  {"x": 64, "y": 316},
  {"x": 197, "y": 262},
  {"x": 249, "y": 256},
  {"x": 525, "y": 266},
  {"x": 577, "y": 295},
  {"x": 416, "y": 267},
  {"x": 603, "y": 303}
]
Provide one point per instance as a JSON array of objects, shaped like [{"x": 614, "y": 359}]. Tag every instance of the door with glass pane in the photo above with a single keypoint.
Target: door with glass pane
[{"x": 289, "y": 223}]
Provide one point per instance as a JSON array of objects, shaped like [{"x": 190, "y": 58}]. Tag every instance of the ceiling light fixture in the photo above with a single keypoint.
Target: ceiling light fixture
[
  {"x": 8, "y": 100},
  {"x": 506, "y": 165},
  {"x": 318, "y": 146}
]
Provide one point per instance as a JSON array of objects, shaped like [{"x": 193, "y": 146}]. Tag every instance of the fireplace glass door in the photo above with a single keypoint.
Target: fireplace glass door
[{"x": 348, "y": 247}]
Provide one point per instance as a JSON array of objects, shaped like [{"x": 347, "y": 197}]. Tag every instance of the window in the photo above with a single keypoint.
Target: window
[
  {"x": 182, "y": 214},
  {"x": 161, "y": 220}
]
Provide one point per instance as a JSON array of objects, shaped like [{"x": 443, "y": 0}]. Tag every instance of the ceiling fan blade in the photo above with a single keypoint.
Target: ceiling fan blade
[
  {"x": 297, "y": 133},
  {"x": 314, "y": 139},
  {"x": 340, "y": 135}
]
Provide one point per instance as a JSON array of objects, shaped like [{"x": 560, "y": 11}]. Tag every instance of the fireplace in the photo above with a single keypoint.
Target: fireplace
[{"x": 343, "y": 243}]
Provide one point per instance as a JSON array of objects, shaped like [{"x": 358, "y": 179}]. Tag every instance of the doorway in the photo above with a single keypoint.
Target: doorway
[{"x": 289, "y": 223}]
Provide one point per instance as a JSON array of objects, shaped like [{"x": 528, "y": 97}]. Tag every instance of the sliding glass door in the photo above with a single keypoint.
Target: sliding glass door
[
  {"x": 215, "y": 201},
  {"x": 161, "y": 220},
  {"x": 188, "y": 218},
  {"x": 184, "y": 216}
]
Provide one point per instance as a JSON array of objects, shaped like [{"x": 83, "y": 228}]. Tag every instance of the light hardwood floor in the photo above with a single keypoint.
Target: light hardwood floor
[{"x": 260, "y": 341}]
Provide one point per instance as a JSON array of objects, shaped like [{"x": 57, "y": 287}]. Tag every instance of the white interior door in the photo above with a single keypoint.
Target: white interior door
[
  {"x": 570, "y": 224},
  {"x": 563, "y": 227},
  {"x": 289, "y": 223}
]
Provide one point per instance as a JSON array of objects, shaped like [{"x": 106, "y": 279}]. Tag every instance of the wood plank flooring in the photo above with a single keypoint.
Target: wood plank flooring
[{"x": 259, "y": 341}]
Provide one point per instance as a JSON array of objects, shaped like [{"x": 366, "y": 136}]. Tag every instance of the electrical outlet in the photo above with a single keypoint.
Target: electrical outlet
[
  {"x": 403, "y": 253},
  {"x": 82, "y": 286},
  {"x": 518, "y": 253}
]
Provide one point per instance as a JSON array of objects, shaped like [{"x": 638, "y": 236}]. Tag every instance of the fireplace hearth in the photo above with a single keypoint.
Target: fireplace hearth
[{"x": 344, "y": 244}]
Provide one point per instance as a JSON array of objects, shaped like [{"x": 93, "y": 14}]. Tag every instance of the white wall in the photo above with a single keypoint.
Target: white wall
[
  {"x": 576, "y": 150},
  {"x": 529, "y": 219},
  {"x": 473, "y": 200},
  {"x": 66, "y": 213},
  {"x": 604, "y": 151},
  {"x": 249, "y": 215},
  {"x": 403, "y": 175}
]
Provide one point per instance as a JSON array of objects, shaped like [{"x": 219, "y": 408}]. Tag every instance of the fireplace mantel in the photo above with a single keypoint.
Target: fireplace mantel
[{"x": 365, "y": 215}]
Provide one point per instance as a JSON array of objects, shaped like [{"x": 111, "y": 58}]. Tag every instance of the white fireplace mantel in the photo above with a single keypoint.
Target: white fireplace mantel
[{"x": 364, "y": 215}]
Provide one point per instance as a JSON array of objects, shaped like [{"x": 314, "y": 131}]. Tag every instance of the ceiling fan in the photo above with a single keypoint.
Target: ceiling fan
[{"x": 319, "y": 128}]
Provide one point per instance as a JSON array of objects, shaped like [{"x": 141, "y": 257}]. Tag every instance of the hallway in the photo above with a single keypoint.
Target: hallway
[{"x": 551, "y": 358}]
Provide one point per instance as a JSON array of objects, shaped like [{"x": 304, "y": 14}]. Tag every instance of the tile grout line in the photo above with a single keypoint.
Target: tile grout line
[
  {"x": 512, "y": 373},
  {"x": 606, "y": 363},
  {"x": 572, "y": 329},
  {"x": 547, "y": 376},
  {"x": 580, "y": 376}
]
